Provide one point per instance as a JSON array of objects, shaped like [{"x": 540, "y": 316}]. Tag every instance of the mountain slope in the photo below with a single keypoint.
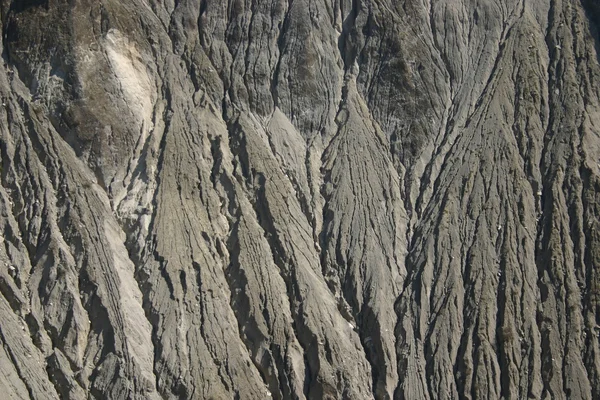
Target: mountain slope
[{"x": 303, "y": 199}]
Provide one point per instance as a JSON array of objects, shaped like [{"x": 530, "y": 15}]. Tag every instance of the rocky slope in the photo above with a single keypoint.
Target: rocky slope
[{"x": 300, "y": 199}]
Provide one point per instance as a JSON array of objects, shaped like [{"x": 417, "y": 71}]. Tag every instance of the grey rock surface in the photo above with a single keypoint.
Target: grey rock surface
[{"x": 300, "y": 199}]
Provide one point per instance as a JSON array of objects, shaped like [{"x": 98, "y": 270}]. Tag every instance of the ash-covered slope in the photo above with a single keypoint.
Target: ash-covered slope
[{"x": 300, "y": 199}]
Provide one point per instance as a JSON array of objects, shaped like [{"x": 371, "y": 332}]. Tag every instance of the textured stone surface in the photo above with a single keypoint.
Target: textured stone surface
[{"x": 305, "y": 199}]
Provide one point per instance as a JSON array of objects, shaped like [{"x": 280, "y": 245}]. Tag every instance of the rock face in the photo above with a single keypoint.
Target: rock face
[{"x": 303, "y": 199}]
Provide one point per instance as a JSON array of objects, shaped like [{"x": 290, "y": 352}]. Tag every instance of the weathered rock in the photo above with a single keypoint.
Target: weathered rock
[{"x": 306, "y": 199}]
